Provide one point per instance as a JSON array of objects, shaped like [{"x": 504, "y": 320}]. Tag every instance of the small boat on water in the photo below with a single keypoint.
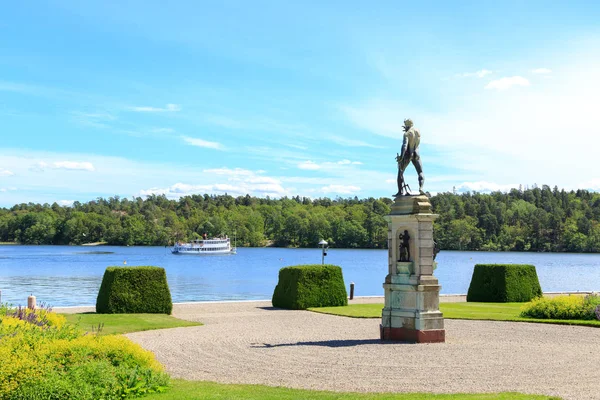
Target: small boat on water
[{"x": 205, "y": 247}]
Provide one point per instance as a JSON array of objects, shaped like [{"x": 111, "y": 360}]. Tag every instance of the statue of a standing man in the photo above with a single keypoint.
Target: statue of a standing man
[{"x": 409, "y": 152}]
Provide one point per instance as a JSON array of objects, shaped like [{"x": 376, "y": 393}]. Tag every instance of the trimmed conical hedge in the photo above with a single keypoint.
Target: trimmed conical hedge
[
  {"x": 504, "y": 283},
  {"x": 134, "y": 290},
  {"x": 304, "y": 286}
]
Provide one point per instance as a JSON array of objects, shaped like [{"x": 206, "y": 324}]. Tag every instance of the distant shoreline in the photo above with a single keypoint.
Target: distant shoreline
[{"x": 269, "y": 245}]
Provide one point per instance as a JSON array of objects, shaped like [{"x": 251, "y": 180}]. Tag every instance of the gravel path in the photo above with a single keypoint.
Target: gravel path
[{"x": 251, "y": 342}]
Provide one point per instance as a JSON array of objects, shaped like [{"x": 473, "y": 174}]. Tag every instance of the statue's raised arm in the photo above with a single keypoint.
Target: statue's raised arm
[{"x": 408, "y": 153}]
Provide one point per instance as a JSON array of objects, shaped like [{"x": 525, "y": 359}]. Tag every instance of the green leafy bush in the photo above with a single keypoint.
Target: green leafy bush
[
  {"x": 503, "y": 283},
  {"x": 43, "y": 357},
  {"x": 134, "y": 290},
  {"x": 562, "y": 307},
  {"x": 304, "y": 286}
]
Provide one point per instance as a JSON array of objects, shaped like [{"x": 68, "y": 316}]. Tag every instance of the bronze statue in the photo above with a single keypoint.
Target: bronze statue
[
  {"x": 409, "y": 152},
  {"x": 404, "y": 249}
]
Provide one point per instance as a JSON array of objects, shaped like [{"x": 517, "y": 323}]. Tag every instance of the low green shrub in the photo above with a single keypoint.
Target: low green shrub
[
  {"x": 304, "y": 286},
  {"x": 134, "y": 290},
  {"x": 563, "y": 307},
  {"x": 504, "y": 283},
  {"x": 43, "y": 357}
]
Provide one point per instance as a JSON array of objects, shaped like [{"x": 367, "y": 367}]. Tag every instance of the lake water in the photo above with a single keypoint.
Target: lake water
[{"x": 71, "y": 275}]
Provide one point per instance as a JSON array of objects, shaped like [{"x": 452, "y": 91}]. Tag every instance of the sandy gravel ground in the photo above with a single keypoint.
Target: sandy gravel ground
[{"x": 251, "y": 342}]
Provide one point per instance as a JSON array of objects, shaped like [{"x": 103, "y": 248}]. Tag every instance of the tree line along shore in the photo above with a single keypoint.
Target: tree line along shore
[{"x": 536, "y": 219}]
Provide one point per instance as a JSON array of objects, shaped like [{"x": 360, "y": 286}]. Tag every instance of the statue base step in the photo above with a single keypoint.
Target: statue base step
[{"x": 412, "y": 335}]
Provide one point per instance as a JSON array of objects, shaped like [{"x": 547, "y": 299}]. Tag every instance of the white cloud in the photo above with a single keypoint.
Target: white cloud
[
  {"x": 255, "y": 186},
  {"x": 94, "y": 119},
  {"x": 243, "y": 175},
  {"x": 340, "y": 189},
  {"x": 234, "y": 172},
  {"x": 96, "y": 115},
  {"x": 74, "y": 165},
  {"x": 507, "y": 83},
  {"x": 348, "y": 162},
  {"x": 39, "y": 166},
  {"x": 202, "y": 143},
  {"x": 66, "y": 203},
  {"x": 309, "y": 165},
  {"x": 262, "y": 179},
  {"x": 8, "y": 189},
  {"x": 66, "y": 165},
  {"x": 483, "y": 186},
  {"x": 162, "y": 130},
  {"x": 123, "y": 177},
  {"x": 295, "y": 146},
  {"x": 5, "y": 172},
  {"x": 168, "y": 108},
  {"x": 233, "y": 181},
  {"x": 277, "y": 156},
  {"x": 352, "y": 142},
  {"x": 479, "y": 74},
  {"x": 541, "y": 71}
]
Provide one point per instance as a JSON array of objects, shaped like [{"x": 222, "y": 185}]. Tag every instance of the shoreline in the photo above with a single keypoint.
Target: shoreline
[
  {"x": 444, "y": 298},
  {"x": 267, "y": 246}
]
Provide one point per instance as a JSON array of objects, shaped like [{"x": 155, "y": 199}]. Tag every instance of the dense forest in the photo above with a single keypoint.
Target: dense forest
[{"x": 537, "y": 219}]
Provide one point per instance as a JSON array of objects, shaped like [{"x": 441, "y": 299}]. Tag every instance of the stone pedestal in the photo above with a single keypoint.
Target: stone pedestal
[{"x": 411, "y": 312}]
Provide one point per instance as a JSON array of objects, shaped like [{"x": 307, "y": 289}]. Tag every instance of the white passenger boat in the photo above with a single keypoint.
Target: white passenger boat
[{"x": 205, "y": 247}]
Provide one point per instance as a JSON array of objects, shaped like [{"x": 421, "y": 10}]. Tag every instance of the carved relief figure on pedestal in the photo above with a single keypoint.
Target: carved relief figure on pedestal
[
  {"x": 408, "y": 153},
  {"x": 404, "y": 249}
]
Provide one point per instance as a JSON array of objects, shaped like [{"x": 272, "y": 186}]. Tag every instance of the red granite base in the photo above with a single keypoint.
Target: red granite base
[{"x": 412, "y": 335}]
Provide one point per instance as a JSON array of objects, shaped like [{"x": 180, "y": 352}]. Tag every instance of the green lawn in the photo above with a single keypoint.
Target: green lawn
[
  {"x": 192, "y": 390},
  {"x": 125, "y": 323},
  {"x": 479, "y": 311}
]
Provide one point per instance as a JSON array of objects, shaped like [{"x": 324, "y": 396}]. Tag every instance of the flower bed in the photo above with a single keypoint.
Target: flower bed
[
  {"x": 44, "y": 357},
  {"x": 564, "y": 307}
]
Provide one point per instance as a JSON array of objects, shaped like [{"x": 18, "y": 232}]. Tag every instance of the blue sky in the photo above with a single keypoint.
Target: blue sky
[{"x": 304, "y": 98}]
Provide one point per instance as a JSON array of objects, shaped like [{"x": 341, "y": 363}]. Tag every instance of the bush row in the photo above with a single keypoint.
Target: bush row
[{"x": 45, "y": 358}]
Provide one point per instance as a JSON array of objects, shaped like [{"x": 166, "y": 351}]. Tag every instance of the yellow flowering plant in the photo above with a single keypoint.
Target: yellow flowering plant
[
  {"x": 44, "y": 357},
  {"x": 562, "y": 307}
]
